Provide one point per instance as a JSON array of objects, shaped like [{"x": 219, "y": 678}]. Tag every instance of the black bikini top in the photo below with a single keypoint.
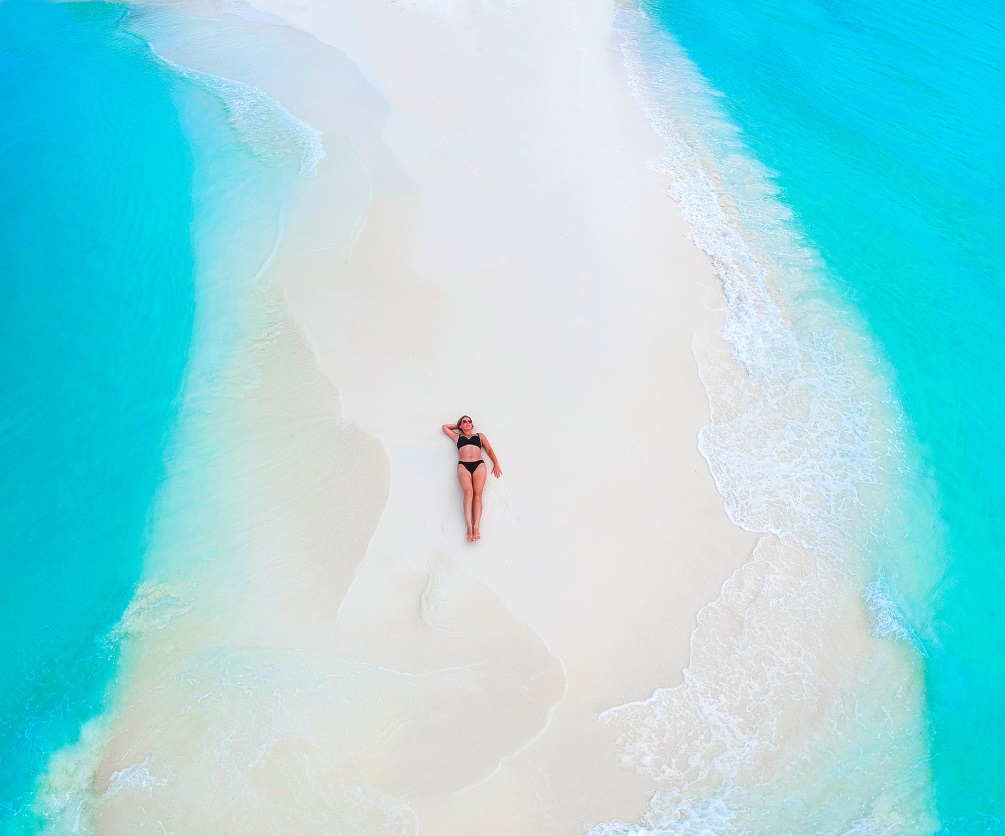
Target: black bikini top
[{"x": 464, "y": 441}]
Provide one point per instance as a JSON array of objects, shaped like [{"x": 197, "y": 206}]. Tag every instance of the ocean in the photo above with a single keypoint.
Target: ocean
[
  {"x": 842, "y": 164},
  {"x": 97, "y": 275},
  {"x": 142, "y": 201}
]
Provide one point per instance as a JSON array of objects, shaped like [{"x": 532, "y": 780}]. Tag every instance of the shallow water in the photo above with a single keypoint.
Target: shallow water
[
  {"x": 879, "y": 130},
  {"x": 97, "y": 275},
  {"x": 149, "y": 197}
]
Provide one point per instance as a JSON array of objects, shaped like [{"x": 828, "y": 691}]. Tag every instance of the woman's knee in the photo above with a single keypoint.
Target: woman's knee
[{"x": 468, "y": 493}]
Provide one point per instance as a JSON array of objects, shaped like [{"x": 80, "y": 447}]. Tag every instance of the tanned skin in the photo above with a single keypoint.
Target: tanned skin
[{"x": 471, "y": 483}]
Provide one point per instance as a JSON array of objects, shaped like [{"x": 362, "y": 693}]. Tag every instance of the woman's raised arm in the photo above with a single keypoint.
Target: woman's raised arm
[{"x": 450, "y": 430}]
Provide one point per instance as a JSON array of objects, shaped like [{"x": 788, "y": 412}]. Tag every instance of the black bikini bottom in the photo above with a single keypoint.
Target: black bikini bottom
[{"x": 472, "y": 466}]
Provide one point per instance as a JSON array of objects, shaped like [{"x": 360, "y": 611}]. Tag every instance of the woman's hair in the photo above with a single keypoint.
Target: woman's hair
[{"x": 458, "y": 424}]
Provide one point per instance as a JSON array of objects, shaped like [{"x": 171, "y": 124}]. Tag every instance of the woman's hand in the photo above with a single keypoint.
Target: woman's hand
[{"x": 496, "y": 471}]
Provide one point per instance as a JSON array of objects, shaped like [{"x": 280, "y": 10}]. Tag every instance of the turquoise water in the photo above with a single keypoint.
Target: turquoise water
[
  {"x": 145, "y": 201},
  {"x": 96, "y": 268},
  {"x": 884, "y": 126}
]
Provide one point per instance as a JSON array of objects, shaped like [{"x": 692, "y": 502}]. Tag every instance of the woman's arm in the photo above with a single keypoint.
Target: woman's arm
[
  {"x": 496, "y": 470},
  {"x": 450, "y": 430}
]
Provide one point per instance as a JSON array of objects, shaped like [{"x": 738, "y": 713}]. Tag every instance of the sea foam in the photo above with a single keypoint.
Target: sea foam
[
  {"x": 794, "y": 435},
  {"x": 805, "y": 446},
  {"x": 267, "y": 127}
]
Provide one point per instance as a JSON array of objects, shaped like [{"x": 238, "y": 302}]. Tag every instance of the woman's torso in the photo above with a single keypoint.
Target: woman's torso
[{"x": 469, "y": 448}]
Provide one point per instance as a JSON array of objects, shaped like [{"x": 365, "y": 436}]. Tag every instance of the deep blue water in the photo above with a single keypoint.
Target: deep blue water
[
  {"x": 885, "y": 127},
  {"x": 96, "y": 271}
]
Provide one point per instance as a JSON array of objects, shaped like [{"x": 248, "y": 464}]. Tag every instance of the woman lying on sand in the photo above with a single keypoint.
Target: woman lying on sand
[{"x": 471, "y": 471}]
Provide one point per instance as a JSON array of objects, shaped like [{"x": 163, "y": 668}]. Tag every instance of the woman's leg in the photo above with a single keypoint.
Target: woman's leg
[
  {"x": 478, "y": 484},
  {"x": 465, "y": 479}
]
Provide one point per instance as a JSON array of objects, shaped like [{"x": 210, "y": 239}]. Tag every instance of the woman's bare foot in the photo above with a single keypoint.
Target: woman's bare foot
[
  {"x": 477, "y": 535},
  {"x": 471, "y": 536}
]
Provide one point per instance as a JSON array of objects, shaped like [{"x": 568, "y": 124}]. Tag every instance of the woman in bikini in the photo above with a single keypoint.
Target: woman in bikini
[{"x": 471, "y": 471}]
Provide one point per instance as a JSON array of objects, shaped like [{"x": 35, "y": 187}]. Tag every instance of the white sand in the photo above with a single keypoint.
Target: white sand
[
  {"x": 533, "y": 273},
  {"x": 346, "y": 661}
]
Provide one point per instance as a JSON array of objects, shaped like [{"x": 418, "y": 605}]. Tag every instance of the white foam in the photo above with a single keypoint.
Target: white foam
[
  {"x": 670, "y": 815},
  {"x": 269, "y": 129},
  {"x": 753, "y": 658},
  {"x": 64, "y": 799},
  {"x": 887, "y": 617},
  {"x": 804, "y": 444},
  {"x": 134, "y": 777},
  {"x": 796, "y": 432},
  {"x": 153, "y": 605}
]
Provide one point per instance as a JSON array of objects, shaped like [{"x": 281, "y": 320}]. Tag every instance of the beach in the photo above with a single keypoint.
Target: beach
[{"x": 315, "y": 647}]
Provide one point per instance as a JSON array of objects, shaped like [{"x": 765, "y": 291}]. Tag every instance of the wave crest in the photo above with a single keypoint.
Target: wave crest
[{"x": 271, "y": 131}]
